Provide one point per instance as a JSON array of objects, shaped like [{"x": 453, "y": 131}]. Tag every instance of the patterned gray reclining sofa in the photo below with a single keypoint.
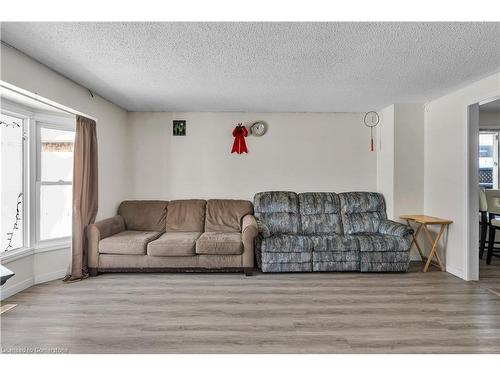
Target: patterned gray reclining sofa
[{"x": 328, "y": 232}]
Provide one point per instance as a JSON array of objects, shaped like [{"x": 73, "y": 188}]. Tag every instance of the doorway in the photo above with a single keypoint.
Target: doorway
[{"x": 485, "y": 116}]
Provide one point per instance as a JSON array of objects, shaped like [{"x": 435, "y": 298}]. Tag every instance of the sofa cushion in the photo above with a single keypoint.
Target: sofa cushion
[
  {"x": 362, "y": 211},
  {"x": 225, "y": 215},
  {"x": 320, "y": 213},
  {"x": 127, "y": 242},
  {"x": 174, "y": 244},
  {"x": 382, "y": 242},
  {"x": 286, "y": 243},
  {"x": 287, "y": 257},
  {"x": 278, "y": 211},
  {"x": 276, "y": 201},
  {"x": 186, "y": 215},
  {"x": 144, "y": 215},
  {"x": 334, "y": 242},
  {"x": 219, "y": 243}
]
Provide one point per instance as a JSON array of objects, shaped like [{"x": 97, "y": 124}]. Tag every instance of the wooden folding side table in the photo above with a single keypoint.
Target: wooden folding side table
[{"x": 423, "y": 221}]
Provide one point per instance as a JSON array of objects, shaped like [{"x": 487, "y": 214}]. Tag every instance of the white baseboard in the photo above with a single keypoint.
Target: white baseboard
[
  {"x": 456, "y": 272},
  {"x": 43, "y": 278},
  {"x": 25, "y": 284},
  {"x": 16, "y": 288}
]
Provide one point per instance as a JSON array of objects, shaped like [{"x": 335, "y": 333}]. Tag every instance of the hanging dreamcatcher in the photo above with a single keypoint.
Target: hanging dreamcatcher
[{"x": 371, "y": 120}]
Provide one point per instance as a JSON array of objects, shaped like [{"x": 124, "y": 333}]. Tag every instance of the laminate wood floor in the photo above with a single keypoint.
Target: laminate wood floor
[
  {"x": 489, "y": 275},
  {"x": 267, "y": 313}
]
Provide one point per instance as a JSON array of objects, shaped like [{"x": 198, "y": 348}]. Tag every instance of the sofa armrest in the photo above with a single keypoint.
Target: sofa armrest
[
  {"x": 249, "y": 231},
  {"x": 264, "y": 230},
  {"x": 98, "y": 231},
  {"x": 249, "y": 227},
  {"x": 394, "y": 228}
]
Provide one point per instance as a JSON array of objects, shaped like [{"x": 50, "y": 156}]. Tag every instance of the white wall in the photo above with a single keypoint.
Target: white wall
[
  {"x": 150, "y": 154},
  {"x": 489, "y": 120},
  {"x": 446, "y": 165},
  {"x": 409, "y": 159},
  {"x": 400, "y": 160},
  {"x": 300, "y": 152},
  {"x": 114, "y": 173},
  {"x": 385, "y": 158}
]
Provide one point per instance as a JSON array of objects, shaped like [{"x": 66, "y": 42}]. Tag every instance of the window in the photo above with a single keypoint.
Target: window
[
  {"x": 54, "y": 181},
  {"x": 36, "y": 171},
  {"x": 12, "y": 192},
  {"x": 488, "y": 160}
]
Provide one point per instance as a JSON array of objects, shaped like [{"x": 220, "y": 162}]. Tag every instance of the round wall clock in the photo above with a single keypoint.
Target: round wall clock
[{"x": 258, "y": 128}]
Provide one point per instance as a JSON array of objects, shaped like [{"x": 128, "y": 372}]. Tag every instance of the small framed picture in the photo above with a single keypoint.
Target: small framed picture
[{"x": 179, "y": 127}]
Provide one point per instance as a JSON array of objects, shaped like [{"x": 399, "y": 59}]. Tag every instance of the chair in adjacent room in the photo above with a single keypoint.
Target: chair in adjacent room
[
  {"x": 483, "y": 221},
  {"x": 493, "y": 206}
]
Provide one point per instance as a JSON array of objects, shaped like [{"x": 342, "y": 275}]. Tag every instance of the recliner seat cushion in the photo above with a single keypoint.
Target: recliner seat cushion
[
  {"x": 320, "y": 213},
  {"x": 286, "y": 243},
  {"x": 127, "y": 242},
  {"x": 226, "y": 215},
  {"x": 219, "y": 243},
  {"x": 278, "y": 211},
  {"x": 186, "y": 215},
  {"x": 144, "y": 215},
  {"x": 362, "y": 212},
  {"x": 335, "y": 242},
  {"x": 173, "y": 244},
  {"x": 382, "y": 242},
  {"x": 287, "y": 257}
]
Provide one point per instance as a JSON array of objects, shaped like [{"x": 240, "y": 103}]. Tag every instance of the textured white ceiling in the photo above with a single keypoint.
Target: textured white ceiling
[{"x": 268, "y": 67}]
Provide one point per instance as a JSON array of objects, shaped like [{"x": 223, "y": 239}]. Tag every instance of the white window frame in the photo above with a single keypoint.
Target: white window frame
[
  {"x": 31, "y": 192},
  {"x": 25, "y": 116},
  {"x": 47, "y": 122}
]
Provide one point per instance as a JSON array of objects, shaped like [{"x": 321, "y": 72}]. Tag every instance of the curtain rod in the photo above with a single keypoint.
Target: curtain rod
[{"x": 43, "y": 100}]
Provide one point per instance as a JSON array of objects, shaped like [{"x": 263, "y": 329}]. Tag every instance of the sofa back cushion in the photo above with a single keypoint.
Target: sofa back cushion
[
  {"x": 226, "y": 215},
  {"x": 362, "y": 212},
  {"x": 320, "y": 213},
  {"x": 186, "y": 215},
  {"x": 278, "y": 210},
  {"x": 144, "y": 215}
]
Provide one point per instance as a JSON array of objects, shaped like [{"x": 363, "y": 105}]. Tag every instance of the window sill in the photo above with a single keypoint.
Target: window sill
[
  {"x": 10, "y": 256},
  {"x": 52, "y": 245}
]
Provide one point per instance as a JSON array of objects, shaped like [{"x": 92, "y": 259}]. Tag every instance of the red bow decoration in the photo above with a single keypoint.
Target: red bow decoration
[{"x": 239, "y": 145}]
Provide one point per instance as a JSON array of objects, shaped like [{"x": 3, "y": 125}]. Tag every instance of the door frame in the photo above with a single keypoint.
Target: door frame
[{"x": 472, "y": 194}]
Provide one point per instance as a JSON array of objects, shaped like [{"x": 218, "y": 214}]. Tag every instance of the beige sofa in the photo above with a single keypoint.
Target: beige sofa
[{"x": 157, "y": 236}]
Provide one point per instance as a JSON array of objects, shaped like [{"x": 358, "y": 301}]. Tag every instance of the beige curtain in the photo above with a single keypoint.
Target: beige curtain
[{"x": 84, "y": 193}]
